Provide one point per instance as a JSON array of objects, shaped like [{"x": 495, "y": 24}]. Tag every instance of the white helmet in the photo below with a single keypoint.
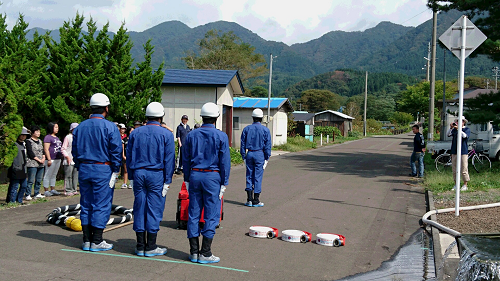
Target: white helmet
[
  {"x": 209, "y": 109},
  {"x": 257, "y": 113},
  {"x": 155, "y": 109},
  {"x": 99, "y": 99}
]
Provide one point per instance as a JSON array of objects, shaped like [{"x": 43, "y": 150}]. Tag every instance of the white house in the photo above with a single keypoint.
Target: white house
[
  {"x": 242, "y": 117},
  {"x": 184, "y": 91}
]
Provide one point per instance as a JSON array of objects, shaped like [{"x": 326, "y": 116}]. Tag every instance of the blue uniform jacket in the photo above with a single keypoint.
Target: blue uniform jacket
[
  {"x": 97, "y": 140},
  {"x": 465, "y": 147},
  {"x": 207, "y": 148},
  {"x": 182, "y": 133},
  {"x": 151, "y": 147},
  {"x": 256, "y": 137}
]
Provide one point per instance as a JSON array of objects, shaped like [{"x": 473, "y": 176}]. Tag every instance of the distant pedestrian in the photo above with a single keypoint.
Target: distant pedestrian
[
  {"x": 18, "y": 171},
  {"x": 464, "y": 137},
  {"x": 70, "y": 173},
  {"x": 418, "y": 153},
  {"x": 35, "y": 163},
  {"x": 52, "y": 146},
  {"x": 97, "y": 151},
  {"x": 126, "y": 181},
  {"x": 181, "y": 133},
  {"x": 255, "y": 150},
  {"x": 152, "y": 171}
]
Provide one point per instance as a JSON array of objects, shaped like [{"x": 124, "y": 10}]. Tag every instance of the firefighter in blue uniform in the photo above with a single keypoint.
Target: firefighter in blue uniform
[
  {"x": 97, "y": 153},
  {"x": 255, "y": 150},
  {"x": 207, "y": 164},
  {"x": 150, "y": 160}
]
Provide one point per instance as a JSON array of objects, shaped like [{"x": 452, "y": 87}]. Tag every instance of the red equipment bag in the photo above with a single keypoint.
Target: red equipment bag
[{"x": 182, "y": 209}]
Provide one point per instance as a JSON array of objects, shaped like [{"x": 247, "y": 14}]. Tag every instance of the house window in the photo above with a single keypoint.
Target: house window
[
  {"x": 483, "y": 127},
  {"x": 236, "y": 122}
]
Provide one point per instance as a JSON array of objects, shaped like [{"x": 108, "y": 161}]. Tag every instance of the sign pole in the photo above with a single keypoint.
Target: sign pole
[{"x": 460, "y": 115}]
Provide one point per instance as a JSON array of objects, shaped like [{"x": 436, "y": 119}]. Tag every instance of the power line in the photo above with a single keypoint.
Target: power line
[{"x": 415, "y": 16}]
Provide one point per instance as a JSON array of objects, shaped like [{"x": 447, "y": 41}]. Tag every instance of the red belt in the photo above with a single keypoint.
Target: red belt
[
  {"x": 203, "y": 170},
  {"x": 100, "y": 163}
]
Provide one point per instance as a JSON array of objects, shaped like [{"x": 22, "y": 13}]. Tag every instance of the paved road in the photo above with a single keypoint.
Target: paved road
[{"x": 357, "y": 189}]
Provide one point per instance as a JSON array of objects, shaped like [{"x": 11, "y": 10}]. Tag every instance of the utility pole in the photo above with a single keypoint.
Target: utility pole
[
  {"x": 428, "y": 59},
  {"x": 433, "y": 76},
  {"x": 366, "y": 99},
  {"x": 487, "y": 81},
  {"x": 443, "y": 114},
  {"x": 269, "y": 94},
  {"x": 495, "y": 71}
]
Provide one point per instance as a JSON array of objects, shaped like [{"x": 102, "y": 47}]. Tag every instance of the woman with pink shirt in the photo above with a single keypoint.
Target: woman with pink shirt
[{"x": 70, "y": 173}]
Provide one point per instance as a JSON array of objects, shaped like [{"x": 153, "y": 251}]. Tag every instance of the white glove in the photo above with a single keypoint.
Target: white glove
[
  {"x": 165, "y": 189},
  {"x": 265, "y": 164},
  {"x": 72, "y": 163},
  {"x": 112, "y": 181},
  {"x": 222, "y": 189},
  {"x": 187, "y": 185}
]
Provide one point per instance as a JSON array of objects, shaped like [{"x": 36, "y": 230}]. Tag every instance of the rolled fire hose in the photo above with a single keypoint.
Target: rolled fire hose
[
  {"x": 65, "y": 216},
  {"x": 330, "y": 239},
  {"x": 296, "y": 236},
  {"x": 258, "y": 231}
]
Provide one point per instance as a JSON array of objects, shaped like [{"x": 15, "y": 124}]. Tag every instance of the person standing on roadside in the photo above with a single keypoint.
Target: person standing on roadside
[
  {"x": 97, "y": 153},
  {"x": 17, "y": 172},
  {"x": 181, "y": 133},
  {"x": 463, "y": 137},
  {"x": 255, "y": 150},
  {"x": 70, "y": 173},
  {"x": 418, "y": 153},
  {"x": 152, "y": 170},
  {"x": 35, "y": 163},
  {"x": 52, "y": 147},
  {"x": 207, "y": 164}
]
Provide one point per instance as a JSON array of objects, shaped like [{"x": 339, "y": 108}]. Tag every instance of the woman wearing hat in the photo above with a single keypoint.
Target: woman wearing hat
[
  {"x": 17, "y": 172},
  {"x": 70, "y": 173},
  {"x": 464, "y": 136}
]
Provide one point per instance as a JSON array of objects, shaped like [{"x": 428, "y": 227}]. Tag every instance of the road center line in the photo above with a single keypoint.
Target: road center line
[{"x": 146, "y": 258}]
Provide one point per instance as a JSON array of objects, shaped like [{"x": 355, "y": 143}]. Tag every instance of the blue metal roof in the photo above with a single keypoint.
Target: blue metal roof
[
  {"x": 200, "y": 77},
  {"x": 260, "y": 103}
]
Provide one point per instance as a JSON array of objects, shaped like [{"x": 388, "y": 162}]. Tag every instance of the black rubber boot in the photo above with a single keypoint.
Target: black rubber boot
[
  {"x": 151, "y": 241},
  {"x": 97, "y": 235},
  {"x": 194, "y": 245},
  {"x": 206, "y": 247},
  {"x": 141, "y": 241},
  {"x": 249, "y": 195},
  {"x": 87, "y": 233},
  {"x": 256, "y": 198}
]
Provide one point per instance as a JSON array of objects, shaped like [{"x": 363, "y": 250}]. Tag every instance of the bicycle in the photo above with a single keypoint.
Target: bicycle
[{"x": 480, "y": 162}]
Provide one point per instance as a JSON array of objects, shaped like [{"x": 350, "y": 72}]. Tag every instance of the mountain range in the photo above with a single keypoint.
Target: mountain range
[{"x": 387, "y": 47}]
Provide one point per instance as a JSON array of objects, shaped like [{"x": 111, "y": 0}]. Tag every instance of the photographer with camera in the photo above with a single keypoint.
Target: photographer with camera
[{"x": 464, "y": 136}]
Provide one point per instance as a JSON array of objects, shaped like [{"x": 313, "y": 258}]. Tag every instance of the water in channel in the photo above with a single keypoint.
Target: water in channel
[
  {"x": 480, "y": 258},
  {"x": 413, "y": 261}
]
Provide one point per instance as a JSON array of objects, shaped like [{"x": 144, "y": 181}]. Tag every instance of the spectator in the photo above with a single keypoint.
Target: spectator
[
  {"x": 137, "y": 124},
  {"x": 122, "y": 129},
  {"x": 70, "y": 173},
  {"x": 418, "y": 153},
  {"x": 17, "y": 172},
  {"x": 124, "y": 160},
  {"x": 52, "y": 148},
  {"x": 196, "y": 126},
  {"x": 164, "y": 125},
  {"x": 464, "y": 136},
  {"x": 35, "y": 163}
]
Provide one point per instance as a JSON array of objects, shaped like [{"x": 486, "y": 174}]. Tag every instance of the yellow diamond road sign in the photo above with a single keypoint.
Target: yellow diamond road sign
[{"x": 452, "y": 38}]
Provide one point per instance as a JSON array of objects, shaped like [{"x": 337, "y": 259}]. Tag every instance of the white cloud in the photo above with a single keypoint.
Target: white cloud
[{"x": 271, "y": 19}]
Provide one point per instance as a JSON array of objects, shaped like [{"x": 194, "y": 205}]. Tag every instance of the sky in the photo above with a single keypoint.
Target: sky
[{"x": 271, "y": 19}]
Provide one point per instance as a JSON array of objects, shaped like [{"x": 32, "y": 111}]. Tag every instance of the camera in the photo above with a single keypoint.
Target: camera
[{"x": 454, "y": 124}]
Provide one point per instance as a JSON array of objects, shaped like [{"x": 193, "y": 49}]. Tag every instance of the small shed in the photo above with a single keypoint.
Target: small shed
[
  {"x": 305, "y": 124},
  {"x": 242, "y": 117},
  {"x": 334, "y": 118},
  {"x": 184, "y": 91}
]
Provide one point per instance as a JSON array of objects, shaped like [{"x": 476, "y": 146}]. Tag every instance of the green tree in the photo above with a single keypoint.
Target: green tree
[
  {"x": 401, "y": 118},
  {"x": 415, "y": 100},
  {"x": 258, "y": 92},
  {"x": 319, "y": 100},
  {"x": 484, "y": 108},
  {"x": 488, "y": 15},
  {"x": 227, "y": 51}
]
